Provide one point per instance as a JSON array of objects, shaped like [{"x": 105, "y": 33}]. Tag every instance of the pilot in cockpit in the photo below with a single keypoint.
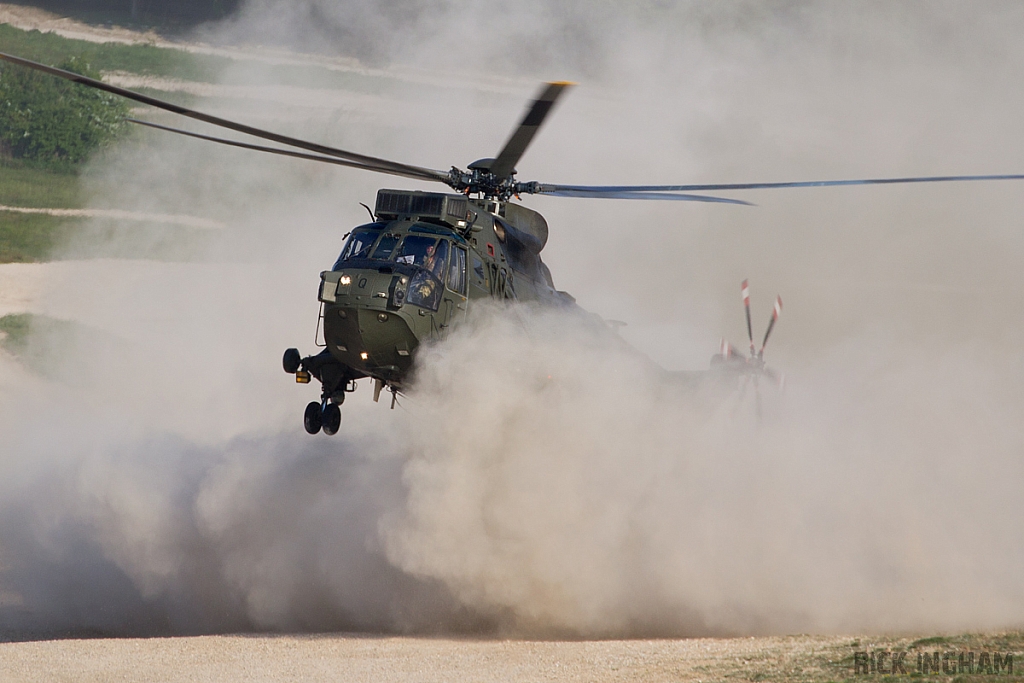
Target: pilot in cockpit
[{"x": 436, "y": 257}]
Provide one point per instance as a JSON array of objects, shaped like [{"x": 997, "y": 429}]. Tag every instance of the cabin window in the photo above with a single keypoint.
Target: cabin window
[
  {"x": 478, "y": 268},
  {"x": 457, "y": 271}
]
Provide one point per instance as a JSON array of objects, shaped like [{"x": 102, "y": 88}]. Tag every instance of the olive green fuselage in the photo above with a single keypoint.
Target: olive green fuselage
[{"x": 400, "y": 283}]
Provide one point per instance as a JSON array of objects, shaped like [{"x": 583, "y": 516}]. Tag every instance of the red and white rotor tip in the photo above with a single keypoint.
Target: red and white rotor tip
[{"x": 728, "y": 350}]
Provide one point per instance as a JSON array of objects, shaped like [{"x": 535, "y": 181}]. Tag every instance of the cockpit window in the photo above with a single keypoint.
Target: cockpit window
[
  {"x": 358, "y": 245},
  {"x": 416, "y": 249},
  {"x": 386, "y": 246},
  {"x": 431, "y": 254}
]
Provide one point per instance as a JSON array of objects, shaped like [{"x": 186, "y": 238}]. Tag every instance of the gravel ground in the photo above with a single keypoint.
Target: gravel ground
[{"x": 368, "y": 658}]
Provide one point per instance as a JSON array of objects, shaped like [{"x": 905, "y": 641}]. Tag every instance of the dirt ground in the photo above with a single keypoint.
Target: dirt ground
[
  {"x": 29, "y": 18},
  {"x": 368, "y": 658}
]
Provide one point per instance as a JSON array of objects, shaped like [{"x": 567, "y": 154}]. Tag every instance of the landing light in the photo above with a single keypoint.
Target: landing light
[
  {"x": 345, "y": 280},
  {"x": 364, "y": 355}
]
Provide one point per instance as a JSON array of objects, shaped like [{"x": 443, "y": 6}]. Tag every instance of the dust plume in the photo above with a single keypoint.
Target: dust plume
[{"x": 544, "y": 478}]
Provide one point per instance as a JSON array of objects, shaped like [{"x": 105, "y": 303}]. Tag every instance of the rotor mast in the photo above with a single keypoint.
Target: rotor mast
[{"x": 495, "y": 178}]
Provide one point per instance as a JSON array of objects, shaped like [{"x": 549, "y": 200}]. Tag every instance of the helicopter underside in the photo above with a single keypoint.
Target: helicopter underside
[{"x": 360, "y": 342}]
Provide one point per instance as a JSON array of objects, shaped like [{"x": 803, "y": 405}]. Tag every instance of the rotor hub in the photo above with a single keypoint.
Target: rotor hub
[{"x": 479, "y": 180}]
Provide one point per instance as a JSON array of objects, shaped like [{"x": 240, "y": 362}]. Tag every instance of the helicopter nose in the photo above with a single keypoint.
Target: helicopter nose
[{"x": 372, "y": 340}]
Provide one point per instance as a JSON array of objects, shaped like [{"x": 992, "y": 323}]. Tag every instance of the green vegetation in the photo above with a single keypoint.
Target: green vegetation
[
  {"x": 837, "y": 663},
  {"x": 934, "y": 640},
  {"x": 27, "y": 237},
  {"x": 29, "y": 184},
  {"x": 42, "y": 343},
  {"x": 53, "y": 112},
  {"x": 147, "y": 60},
  {"x": 32, "y": 237},
  {"x": 51, "y": 120},
  {"x": 15, "y": 330},
  {"x": 181, "y": 13}
]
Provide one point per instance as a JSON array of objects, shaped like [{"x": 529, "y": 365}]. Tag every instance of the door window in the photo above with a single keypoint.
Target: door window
[{"x": 457, "y": 271}]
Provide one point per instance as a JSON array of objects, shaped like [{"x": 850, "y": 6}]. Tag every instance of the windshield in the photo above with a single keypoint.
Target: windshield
[
  {"x": 385, "y": 247},
  {"x": 358, "y": 245},
  {"x": 415, "y": 250},
  {"x": 369, "y": 242}
]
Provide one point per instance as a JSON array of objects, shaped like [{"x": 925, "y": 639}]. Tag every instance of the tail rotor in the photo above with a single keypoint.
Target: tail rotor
[
  {"x": 751, "y": 368},
  {"x": 745, "y": 288},
  {"x": 776, "y": 312}
]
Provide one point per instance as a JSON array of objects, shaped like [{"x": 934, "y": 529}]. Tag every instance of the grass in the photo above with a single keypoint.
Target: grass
[
  {"x": 148, "y": 60},
  {"x": 29, "y": 237},
  {"x": 23, "y": 183},
  {"x": 15, "y": 329},
  {"x": 32, "y": 237},
  {"x": 823, "y": 659},
  {"x": 166, "y": 20},
  {"x": 835, "y": 662},
  {"x": 934, "y": 640},
  {"x": 42, "y": 343},
  {"x": 182, "y": 99},
  {"x": 37, "y": 237}
]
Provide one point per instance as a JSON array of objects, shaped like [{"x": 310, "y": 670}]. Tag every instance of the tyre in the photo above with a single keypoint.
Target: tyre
[
  {"x": 331, "y": 419},
  {"x": 312, "y": 420},
  {"x": 292, "y": 361}
]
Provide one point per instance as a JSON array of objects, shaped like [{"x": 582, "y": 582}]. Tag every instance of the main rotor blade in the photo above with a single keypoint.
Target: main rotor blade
[
  {"x": 513, "y": 150},
  {"x": 644, "y": 195},
  {"x": 372, "y": 163},
  {"x": 271, "y": 150},
  {"x": 547, "y": 189}
]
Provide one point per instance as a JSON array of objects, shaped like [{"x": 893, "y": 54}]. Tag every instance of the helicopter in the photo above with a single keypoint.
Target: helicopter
[{"x": 410, "y": 275}]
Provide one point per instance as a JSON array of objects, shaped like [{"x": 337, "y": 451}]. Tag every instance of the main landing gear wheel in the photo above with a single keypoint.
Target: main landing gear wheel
[
  {"x": 331, "y": 419},
  {"x": 312, "y": 419}
]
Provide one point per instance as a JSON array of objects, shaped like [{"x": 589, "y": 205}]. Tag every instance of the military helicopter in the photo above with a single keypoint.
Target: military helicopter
[{"x": 408, "y": 276}]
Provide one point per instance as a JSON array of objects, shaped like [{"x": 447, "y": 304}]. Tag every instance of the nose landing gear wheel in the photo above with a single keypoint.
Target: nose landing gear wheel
[
  {"x": 312, "y": 418},
  {"x": 331, "y": 419},
  {"x": 292, "y": 361}
]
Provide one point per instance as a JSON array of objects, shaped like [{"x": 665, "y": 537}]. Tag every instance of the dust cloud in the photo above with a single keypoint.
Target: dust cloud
[{"x": 542, "y": 479}]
